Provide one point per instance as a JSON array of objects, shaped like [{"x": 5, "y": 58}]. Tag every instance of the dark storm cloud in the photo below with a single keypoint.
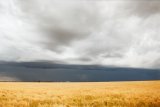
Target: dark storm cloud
[{"x": 47, "y": 71}]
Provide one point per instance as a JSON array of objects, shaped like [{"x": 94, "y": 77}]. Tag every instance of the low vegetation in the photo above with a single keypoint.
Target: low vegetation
[{"x": 96, "y": 94}]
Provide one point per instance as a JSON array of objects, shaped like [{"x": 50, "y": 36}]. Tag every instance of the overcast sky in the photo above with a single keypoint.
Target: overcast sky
[{"x": 105, "y": 32}]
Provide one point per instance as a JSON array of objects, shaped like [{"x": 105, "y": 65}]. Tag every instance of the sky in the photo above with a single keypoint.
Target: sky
[
  {"x": 122, "y": 33},
  {"x": 47, "y": 71}
]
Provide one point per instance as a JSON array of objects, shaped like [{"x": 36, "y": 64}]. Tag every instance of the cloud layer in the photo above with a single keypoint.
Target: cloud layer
[
  {"x": 117, "y": 33},
  {"x": 47, "y": 71}
]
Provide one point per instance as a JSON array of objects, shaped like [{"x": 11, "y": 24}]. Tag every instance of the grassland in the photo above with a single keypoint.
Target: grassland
[{"x": 102, "y": 94}]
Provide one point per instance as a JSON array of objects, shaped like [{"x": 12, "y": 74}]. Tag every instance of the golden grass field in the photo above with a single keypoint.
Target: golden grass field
[{"x": 68, "y": 94}]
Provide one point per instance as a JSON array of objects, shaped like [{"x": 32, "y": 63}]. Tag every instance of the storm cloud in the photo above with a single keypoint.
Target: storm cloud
[
  {"x": 121, "y": 33},
  {"x": 49, "y": 71}
]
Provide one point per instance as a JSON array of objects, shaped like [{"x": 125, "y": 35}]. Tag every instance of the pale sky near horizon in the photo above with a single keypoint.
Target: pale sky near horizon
[{"x": 117, "y": 33}]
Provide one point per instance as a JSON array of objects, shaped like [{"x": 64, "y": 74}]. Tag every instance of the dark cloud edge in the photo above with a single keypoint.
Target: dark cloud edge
[{"x": 47, "y": 71}]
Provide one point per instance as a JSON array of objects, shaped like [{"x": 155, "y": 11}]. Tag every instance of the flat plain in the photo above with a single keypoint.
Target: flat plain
[{"x": 80, "y": 94}]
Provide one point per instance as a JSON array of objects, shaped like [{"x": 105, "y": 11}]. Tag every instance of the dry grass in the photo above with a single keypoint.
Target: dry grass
[{"x": 110, "y": 94}]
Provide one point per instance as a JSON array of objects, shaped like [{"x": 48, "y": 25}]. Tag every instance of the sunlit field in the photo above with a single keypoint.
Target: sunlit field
[{"x": 68, "y": 94}]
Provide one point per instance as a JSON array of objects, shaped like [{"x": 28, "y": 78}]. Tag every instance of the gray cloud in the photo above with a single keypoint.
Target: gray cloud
[
  {"x": 61, "y": 23},
  {"x": 144, "y": 8},
  {"x": 119, "y": 33}
]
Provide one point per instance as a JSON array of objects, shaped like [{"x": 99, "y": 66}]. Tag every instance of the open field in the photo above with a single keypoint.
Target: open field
[{"x": 102, "y": 94}]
